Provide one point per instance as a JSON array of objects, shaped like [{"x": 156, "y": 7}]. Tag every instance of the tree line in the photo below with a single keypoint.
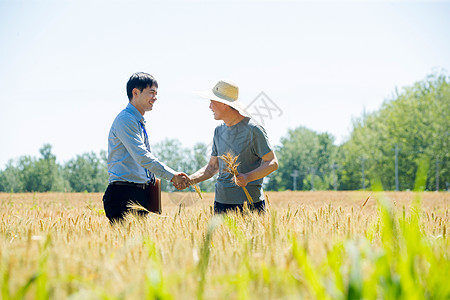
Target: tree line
[
  {"x": 88, "y": 172},
  {"x": 385, "y": 147}
]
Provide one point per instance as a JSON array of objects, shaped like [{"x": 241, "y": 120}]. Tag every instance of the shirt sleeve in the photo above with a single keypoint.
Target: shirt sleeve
[
  {"x": 130, "y": 135},
  {"x": 261, "y": 145},
  {"x": 214, "y": 145}
]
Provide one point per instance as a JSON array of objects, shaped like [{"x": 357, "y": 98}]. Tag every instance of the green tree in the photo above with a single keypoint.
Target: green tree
[
  {"x": 87, "y": 172},
  {"x": 416, "y": 123},
  {"x": 33, "y": 175},
  {"x": 310, "y": 154},
  {"x": 11, "y": 179},
  {"x": 171, "y": 153},
  {"x": 46, "y": 175}
]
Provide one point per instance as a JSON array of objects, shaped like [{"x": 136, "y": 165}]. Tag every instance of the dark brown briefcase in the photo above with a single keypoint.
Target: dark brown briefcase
[{"x": 154, "y": 197}]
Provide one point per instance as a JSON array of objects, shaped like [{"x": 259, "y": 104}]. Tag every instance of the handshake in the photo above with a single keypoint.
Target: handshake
[{"x": 181, "y": 181}]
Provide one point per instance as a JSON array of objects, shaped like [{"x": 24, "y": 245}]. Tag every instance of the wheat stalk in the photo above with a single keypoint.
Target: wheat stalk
[
  {"x": 197, "y": 189},
  {"x": 366, "y": 201},
  {"x": 232, "y": 164},
  {"x": 136, "y": 206}
]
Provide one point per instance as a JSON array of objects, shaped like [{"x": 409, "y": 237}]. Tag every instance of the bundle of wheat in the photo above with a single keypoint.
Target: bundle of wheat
[{"x": 232, "y": 164}]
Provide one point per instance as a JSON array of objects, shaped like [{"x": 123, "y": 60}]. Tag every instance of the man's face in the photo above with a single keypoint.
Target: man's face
[
  {"x": 218, "y": 108},
  {"x": 144, "y": 100}
]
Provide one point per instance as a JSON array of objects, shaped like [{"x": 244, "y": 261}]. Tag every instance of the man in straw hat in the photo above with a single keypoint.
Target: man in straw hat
[
  {"x": 238, "y": 135},
  {"x": 131, "y": 165}
]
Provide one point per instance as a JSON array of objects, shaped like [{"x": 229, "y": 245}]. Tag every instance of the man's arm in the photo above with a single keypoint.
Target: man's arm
[
  {"x": 207, "y": 171},
  {"x": 269, "y": 164},
  {"x": 128, "y": 132}
]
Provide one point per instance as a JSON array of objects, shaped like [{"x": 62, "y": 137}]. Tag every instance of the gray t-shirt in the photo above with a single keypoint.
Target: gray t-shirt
[{"x": 248, "y": 140}]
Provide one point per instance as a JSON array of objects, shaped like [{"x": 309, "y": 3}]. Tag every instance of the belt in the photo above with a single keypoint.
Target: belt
[{"x": 126, "y": 183}]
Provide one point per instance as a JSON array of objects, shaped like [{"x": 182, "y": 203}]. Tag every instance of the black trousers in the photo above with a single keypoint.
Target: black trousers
[
  {"x": 220, "y": 208},
  {"x": 117, "y": 197}
]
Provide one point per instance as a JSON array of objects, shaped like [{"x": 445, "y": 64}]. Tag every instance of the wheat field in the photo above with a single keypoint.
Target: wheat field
[{"x": 309, "y": 245}]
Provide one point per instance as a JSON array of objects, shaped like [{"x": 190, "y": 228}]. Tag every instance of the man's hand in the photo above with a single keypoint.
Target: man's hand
[
  {"x": 181, "y": 181},
  {"x": 241, "y": 180},
  {"x": 269, "y": 164}
]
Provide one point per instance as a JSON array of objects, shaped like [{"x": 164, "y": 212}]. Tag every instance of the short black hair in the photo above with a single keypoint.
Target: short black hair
[{"x": 140, "y": 81}]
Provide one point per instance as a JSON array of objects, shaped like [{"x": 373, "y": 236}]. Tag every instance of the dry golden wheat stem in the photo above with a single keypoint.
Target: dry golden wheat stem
[
  {"x": 232, "y": 164},
  {"x": 136, "y": 206},
  {"x": 197, "y": 189},
  {"x": 366, "y": 201},
  {"x": 247, "y": 194}
]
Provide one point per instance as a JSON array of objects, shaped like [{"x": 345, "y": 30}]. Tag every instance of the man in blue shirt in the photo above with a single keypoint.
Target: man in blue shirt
[
  {"x": 131, "y": 165},
  {"x": 238, "y": 135}
]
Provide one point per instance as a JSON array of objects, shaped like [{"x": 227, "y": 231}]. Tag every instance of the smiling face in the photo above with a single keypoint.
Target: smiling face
[
  {"x": 144, "y": 100},
  {"x": 219, "y": 109}
]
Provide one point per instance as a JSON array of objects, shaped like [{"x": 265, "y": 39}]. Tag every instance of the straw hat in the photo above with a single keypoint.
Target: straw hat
[{"x": 225, "y": 92}]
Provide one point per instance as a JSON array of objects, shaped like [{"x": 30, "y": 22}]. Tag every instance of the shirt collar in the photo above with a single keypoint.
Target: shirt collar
[
  {"x": 242, "y": 122},
  {"x": 133, "y": 110}
]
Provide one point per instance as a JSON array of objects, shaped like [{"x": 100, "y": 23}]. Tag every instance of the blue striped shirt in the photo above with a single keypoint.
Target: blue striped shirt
[{"x": 128, "y": 156}]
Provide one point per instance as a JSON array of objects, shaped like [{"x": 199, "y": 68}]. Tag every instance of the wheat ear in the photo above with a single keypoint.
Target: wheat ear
[
  {"x": 197, "y": 189},
  {"x": 232, "y": 164}
]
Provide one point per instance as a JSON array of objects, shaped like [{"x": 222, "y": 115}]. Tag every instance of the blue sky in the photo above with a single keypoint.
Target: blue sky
[{"x": 64, "y": 64}]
